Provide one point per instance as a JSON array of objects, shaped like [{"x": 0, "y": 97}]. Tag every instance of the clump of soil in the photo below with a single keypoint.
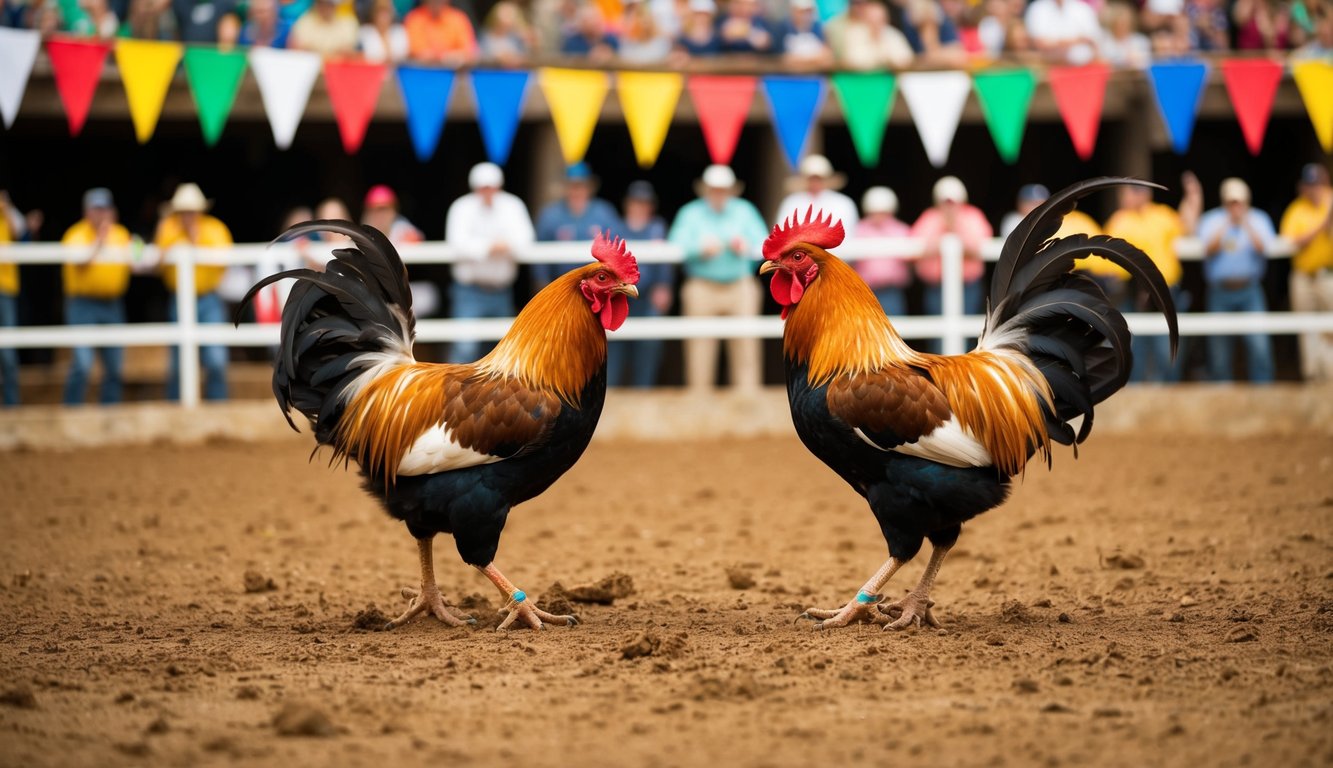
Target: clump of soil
[
  {"x": 604, "y": 592},
  {"x": 298, "y": 719},
  {"x": 258, "y": 582},
  {"x": 1123, "y": 562},
  {"x": 371, "y": 619},
  {"x": 740, "y": 578},
  {"x": 1014, "y": 612},
  {"x": 650, "y": 643},
  {"x": 556, "y": 600},
  {"x": 21, "y": 697}
]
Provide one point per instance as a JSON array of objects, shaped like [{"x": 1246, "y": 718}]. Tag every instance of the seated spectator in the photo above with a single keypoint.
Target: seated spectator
[
  {"x": 1320, "y": 45},
  {"x": 506, "y": 38},
  {"x": 198, "y": 20},
  {"x": 95, "y": 292},
  {"x": 263, "y": 27},
  {"x": 887, "y": 276},
  {"x": 577, "y": 215},
  {"x": 1064, "y": 31},
  {"x": 149, "y": 20},
  {"x": 1001, "y": 29},
  {"x": 742, "y": 29},
  {"x": 1120, "y": 44},
  {"x": 94, "y": 18},
  {"x": 382, "y": 37},
  {"x": 698, "y": 32},
  {"x": 1167, "y": 26},
  {"x": 964, "y": 15},
  {"x": 932, "y": 35},
  {"x": 1261, "y": 25},
  {"x": 325, "y": 31},
  {"x": 551, "y": 21},
  {"x": 1209, "y": 27},
  {"x": 951, "y": 215},
  {"x": 438, "y": 33},
  {"x": 869, "y": 42},
  {"x": 589, "y": 38},
  {"x": 801, "y": 38},
  {"x": 1236, "y": 239},
  {"x": 642, "y": 356},
  {"x": 44, "y": 16},
  {"x": 642, "y": 39}
]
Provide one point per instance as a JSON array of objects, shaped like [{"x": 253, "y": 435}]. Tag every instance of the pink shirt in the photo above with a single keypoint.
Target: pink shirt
[
  {"x": 971, "y": 226},
  {"x": 883, "y": 271}
]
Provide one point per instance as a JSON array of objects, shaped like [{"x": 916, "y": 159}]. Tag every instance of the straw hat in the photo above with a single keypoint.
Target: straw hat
[
  {"x": 819, "y": 167},
  {"x": 718, "y": 177},
  {"x": 189, "y": 198}
]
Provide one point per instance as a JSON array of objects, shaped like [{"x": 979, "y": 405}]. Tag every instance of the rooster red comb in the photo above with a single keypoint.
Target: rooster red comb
[
  {"x": 820, "y": 230},
  {"x": 611, "y": 252}
]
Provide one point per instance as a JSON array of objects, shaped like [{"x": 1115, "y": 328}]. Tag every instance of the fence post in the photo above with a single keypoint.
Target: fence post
[
  {"x": 187, "y": 324},
  {"x": 951, "y": 283}
]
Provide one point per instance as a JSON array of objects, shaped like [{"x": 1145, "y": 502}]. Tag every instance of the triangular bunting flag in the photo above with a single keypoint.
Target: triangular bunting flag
[
  {"x": 18, "y": 50},
  {"x": 1005, "y": 96},
  {"x": 147, "y": 68},
  {"x": 77, "y": 67},
  {"x": 354, "y": 90},
  {"x": 215, "y": 77},
  {"x": 936, "y": 101},
  {"x": 721, "y": 103},
  {"x": 285, "y": 79},
  {"x": 1080, "y": 93},
  {"x": 499, "y": 95},
  {"x": 1315, "y": 81},
  {"x": 794, "y": 102},
  {"x": 426, "y": 92},
  {"x": 648, "y": 100},
  {"x": 1252, "y": 84},
  {"x": 1178, "y": 86},
  {"x": 867, "y": 99},
  {"x": 575, "y": 98}
]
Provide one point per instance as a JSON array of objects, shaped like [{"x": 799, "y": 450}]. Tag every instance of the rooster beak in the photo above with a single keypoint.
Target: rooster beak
[
  {"x": 626, "y": 289},
  {"x": 768, "y": 266}
]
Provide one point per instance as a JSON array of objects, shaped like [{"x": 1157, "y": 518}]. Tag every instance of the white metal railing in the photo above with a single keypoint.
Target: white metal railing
[{"x": 952, "y": 326}]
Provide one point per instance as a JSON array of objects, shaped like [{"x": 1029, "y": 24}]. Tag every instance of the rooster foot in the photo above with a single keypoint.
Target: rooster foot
[
  {"x": 913, "y": 610},
  {"x": 520, "y": 607},
  {"x": 429, "y": 600},
  {"x": 863, "y": 609}
]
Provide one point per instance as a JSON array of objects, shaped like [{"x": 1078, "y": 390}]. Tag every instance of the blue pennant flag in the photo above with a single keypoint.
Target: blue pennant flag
[
  {"x": 426, "y": 94},
  {"x": 794, "y": 102},
  {"x": 499, "y": 96},
  {"x": 1178, "y": 86}
]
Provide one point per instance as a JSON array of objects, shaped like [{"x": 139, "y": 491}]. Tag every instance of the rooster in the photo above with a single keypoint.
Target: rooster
[
  {"x": 447, "y": 448},
  {"x": 932, "y": 441}
]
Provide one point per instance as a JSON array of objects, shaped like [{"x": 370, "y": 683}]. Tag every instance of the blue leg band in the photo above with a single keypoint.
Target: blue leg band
[
  {"x": 864, "y": 599},
  {"x": 519, "y": 596}
]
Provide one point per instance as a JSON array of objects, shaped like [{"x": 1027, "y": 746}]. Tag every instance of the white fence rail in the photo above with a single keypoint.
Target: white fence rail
[{"x": 952, "y": 326}]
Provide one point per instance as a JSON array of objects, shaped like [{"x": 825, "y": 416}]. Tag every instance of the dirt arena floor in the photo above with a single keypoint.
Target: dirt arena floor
[{"x": 1161, "y": 601}]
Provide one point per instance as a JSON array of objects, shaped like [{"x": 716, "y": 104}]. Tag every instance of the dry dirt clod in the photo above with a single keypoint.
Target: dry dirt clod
[
  {"x": 1014, "y": 612},
  {"x": 1123, "y": 562},
  {"x": 605, "y": 591},
  {"x": 740, "y": 578},
  {"x": 297, "y": 719},
  {"x": 556, "y": 600},
  {"x": 650, "y": 643},
  {"x": 258, "y": 582},
  {"x": 21, "y": 697},
  {"x": 1242, "y": 635},
  {"x": 371, "y": 619}
]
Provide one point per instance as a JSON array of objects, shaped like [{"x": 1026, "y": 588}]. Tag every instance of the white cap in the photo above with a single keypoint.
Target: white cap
[
  {"x": 485, "y": 175},
  {"x": 815, "y": 165},
  {"x": 879, "y": 200},
  {"x": 950, "y": 188},
  {"x": 703, "y": 6},
  {"x": 719, "y": 177},
  {"x": 1235, "y": 189}
]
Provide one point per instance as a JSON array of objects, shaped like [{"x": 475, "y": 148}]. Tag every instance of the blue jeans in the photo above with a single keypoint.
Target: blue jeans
[
  {"x": 212, "y": 358},
  {"x": 892, "y": 299},
  {"x": 933, "y": 303},
  {"x": 472, "y": 301},
  {"x": 9, "y": 358},
  {"x": 1258, "y": 350},
  {"x": 80, "y": 310},
  {"x": 1152, "y": 354},
  {"x": 643, "y": 356}
]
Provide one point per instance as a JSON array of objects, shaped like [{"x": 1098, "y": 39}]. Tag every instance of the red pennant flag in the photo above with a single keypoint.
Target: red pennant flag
[
  {"x": 354, "y": 89},
  {"x": 722, "y": 104},
  {"x": 77, "y": 66},
  {"x": 1252, "y": 84},
  {"x": 1079, "y": 94}
]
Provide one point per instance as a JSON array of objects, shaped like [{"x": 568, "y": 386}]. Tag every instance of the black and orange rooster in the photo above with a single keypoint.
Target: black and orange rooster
[
  {"x": 448, "y": 448},
  {"x": 932, "y": 441}
]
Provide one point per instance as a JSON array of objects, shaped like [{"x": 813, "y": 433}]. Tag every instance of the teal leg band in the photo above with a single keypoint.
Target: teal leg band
[
  {"x": 519, "y": 596},
  {"x": 864, "y": 599}
]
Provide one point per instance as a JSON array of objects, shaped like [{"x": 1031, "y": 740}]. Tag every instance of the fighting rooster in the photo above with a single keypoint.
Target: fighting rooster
[
  {"x": 448, "y": 448},
  {"x": 932, "y": 441}
]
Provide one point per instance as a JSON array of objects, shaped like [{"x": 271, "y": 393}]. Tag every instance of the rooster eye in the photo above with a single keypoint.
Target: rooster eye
[
  {"x": 798, "y": 256},
  {"x": 601, "y": 277}
]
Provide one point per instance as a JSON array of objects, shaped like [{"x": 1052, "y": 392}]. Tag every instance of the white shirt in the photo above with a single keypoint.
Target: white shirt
[
  {"x": 1053, "y": 22},
  {"x": 473, "y": 228},
  {"x": 372, "y": 43},
  {"x": 836, "y": 203}
]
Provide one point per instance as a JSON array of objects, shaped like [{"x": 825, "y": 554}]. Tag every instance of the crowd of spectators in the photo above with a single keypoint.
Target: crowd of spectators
[{"x": 866, "y": 35}]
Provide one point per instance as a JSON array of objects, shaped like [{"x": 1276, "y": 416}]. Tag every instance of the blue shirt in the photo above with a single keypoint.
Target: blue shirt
[
  {"x": 651, "y": 275},
  {"x": 745, "y": 46},
  {"x": 1237, "y": 259},
  {"x": 697, "y": 223},
  {"x": 557, "y": 223},
  {"x": 578, "y": 45}
]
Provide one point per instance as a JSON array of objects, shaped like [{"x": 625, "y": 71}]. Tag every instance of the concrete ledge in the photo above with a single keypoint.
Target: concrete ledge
[{"x": 1203, "y": 410}]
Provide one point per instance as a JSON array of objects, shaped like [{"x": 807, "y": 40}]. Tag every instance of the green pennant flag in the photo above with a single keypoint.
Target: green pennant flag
[
  {"x": 1005, "y": 97},
  {"x": 866, "y": 100},
  {"x": 215, "y": 77}
]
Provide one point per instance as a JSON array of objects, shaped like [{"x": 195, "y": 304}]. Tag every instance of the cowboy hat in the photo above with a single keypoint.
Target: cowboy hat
[
  {"x": 817, "y": 166},
  {"x": 189, "y": 198}
]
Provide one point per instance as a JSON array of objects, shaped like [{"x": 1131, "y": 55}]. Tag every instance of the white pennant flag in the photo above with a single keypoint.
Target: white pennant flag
[
  {"x": 285, "y": 79},
  {"x": 18, "y": 49},
  {"x": 936, "y": 101}
]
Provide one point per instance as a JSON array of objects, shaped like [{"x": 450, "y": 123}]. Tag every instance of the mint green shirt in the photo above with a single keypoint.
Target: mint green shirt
[{"x": 697, "y": 222}]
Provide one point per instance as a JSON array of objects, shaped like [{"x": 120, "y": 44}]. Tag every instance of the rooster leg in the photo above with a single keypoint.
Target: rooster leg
[
  {"x": 914, "y": 609},
  {"x": 519, "y": 606},
  {"x": 862, "y": 608},
  {"x": 429, "y": 598}
]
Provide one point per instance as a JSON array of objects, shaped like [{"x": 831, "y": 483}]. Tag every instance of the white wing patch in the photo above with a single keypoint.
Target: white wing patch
[
  {"x": 948, "y": 444},
  {"x": 437, "y": 451}
]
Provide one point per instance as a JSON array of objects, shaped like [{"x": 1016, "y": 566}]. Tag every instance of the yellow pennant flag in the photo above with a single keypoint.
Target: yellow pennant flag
[
  {"x": 146, "y": 68},
  {"x": 575, "y": 98},
  {"x": 648, "y": 100},
  {"x": 1315, "y": 81}
]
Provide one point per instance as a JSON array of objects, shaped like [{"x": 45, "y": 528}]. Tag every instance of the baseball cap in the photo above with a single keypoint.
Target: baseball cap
[
  {"x": 578, "y": 172},
  {"x": 879, "y": 200},
  {"x": 816, "y": 165},
  {"x": 1235, "y": 190},
  {"x": 1313, "y": 173},
  {"x": 98, "y": 197},
  {"x": 950, "y": 188},
  {"x": 641, "y": 190},
  {"x": 379, "y": 196},
  {"x": 1033, "y": 193},
  {"x": 485, "y": 175}
]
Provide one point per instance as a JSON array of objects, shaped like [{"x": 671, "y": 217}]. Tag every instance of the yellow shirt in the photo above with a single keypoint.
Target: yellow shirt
[
  {"x": 1154, "y": 230},
  {"x": 9, "y": 273},
  {"x": 212, "y": 234},
  {"x": 1301, "y": 218},
  {"x": 98, "y": 280}
]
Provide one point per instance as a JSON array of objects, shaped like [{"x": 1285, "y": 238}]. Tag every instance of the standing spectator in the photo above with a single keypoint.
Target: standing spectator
[
  {"x": 577, "y": 215},
  {"x": 1121, "y": 44},
  {"x": 801, "y": 38},
  {"x": 642, "y": 39},
  {"x": 932, "y": 35},
  {"x": 325, "y": 31},
  {"x": 816, "y": 185},
  {"x": 440, "y": 34},
  {"x": 1261, "y": 25},
  {"x": 742, "y": 29},
  {"x": 382, "y": 37},
  {"x": 589, "y": 38},
  {"x": 720, "y": 234},
  {"x": 198, "y": 20},
  {"x": 1154, "y": 228},
  {"x": 1308, "y": 224},
  {"x": 95, "y": 292},
  {"x": 489, "y": 227},
  {"x": 187, "y": 226},
  {"x": 888, "y": 276},
  {"x": 862, "y": 39},
  {"x": 9, "y": 309},
  {"x": 951, "y": 215},
  {"x": 656, "y": 281},
  {"x": 698, "y": 32},
  {"x": 1111, "y": 278},
  {"x": 1236, "y": 239},
  {"x": 1320, "y": 45},
  {"x": 1063, "y": 30},
  {"x": 381, "y": 212},
  {"x": 1209, "y": 27},
  {"x": 506, "y": 37}
]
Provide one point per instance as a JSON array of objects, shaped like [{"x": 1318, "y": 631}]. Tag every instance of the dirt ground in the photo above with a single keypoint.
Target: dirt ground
[{"x": 1161, "y": 601}]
